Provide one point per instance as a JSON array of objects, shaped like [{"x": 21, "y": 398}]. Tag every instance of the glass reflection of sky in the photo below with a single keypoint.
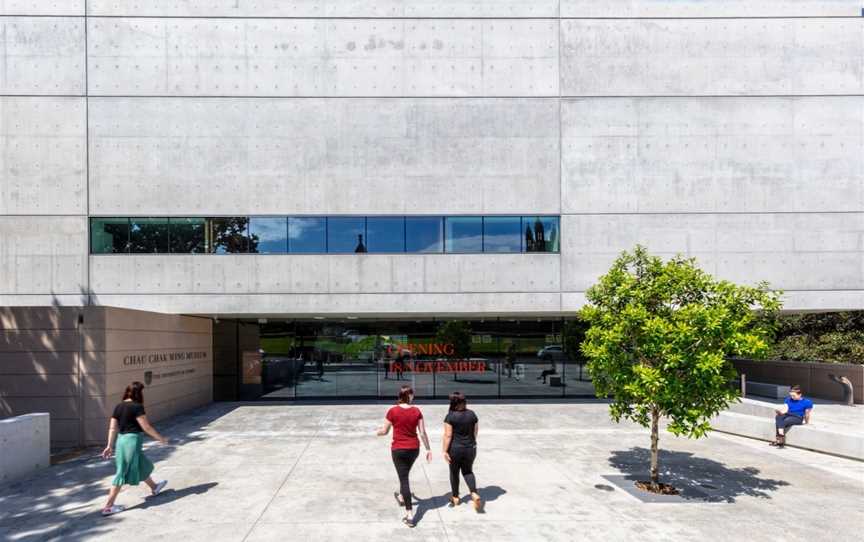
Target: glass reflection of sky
[
  {"x": 307, "y": 234},
  {"x": 272, "y": 234}
]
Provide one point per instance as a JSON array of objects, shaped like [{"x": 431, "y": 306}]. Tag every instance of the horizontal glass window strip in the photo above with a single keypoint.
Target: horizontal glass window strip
[
  {"x": 385, "y": 234},
  {"x": 325, "y": 235},
  {"x": 268, "y": 235},
  {"x": 541, "y": 233},
  {"x": 109, "y": 235},
  {"x": 148, "y": 235},
  {"x": 463, "y": 234}
]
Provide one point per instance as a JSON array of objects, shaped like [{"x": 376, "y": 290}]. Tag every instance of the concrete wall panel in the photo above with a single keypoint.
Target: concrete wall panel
[
  {"x": 712, "y": 57},
  {"x": 43, "y": 255},
  {"x": 352, "y": 156},
  {"x": 42, "y": 7},
  {"x": 307, "y": 305},
  {"x": 317, "y": 57},
  {"x": 42, "y": 55},
  {"x": 331, "y": 274},
  {"x": 328, "y": 8},
  {"x": 43, "y": 157},
  {"x": 710, "y": 8},
  {"x": 784, "y": 249},
  {"x": 624, "y": 155}
]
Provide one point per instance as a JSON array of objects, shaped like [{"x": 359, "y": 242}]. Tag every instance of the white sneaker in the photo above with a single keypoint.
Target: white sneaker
[
  {"x": 159, "y": 487},
  {"x": 116, "y": 509}
]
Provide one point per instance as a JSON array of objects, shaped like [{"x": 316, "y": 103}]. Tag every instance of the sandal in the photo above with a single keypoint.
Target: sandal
[
  {"x": 455, "y": 501},
  {"x": 408, "y": 521},
  {"x": 111, "y": 510},
  {"x": 478, "y": 504},
  {"x": 399, "y": 499}
]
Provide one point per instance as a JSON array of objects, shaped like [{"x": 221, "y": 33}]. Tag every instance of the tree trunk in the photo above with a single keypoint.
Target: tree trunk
[{"x": 655, "y": 422}]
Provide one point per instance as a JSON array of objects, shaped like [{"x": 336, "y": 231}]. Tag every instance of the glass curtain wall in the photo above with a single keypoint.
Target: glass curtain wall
[{"x": 374, "y": 358}]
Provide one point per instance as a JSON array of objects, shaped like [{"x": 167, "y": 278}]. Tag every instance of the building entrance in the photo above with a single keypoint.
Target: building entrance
[{"x": 373, "y": 359}]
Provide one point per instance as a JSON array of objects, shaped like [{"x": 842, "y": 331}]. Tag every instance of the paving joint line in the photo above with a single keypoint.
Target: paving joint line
[
  {"x": 287, "y": 476},
  {"x": 437, "y": 510}
]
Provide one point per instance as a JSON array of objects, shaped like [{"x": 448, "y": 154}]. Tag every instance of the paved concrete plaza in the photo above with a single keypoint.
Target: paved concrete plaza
[{"x": 261, "y": 472}]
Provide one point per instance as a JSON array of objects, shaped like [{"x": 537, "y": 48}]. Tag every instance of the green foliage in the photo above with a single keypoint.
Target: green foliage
[
  {"x": 457, "y": 333},
  {"x": 832, "y": 337},
  {"x": 660, "y": 334}
]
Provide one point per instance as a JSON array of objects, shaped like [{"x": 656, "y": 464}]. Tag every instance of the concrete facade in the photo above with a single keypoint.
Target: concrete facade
[
  {"x": 729, "y": 130},
  {"x": 75, "y": 363}
]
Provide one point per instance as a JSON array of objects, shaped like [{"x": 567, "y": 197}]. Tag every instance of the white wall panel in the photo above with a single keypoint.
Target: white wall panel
[
  {"x": 710, "y": 8},
  {"x": 319, "y": 57},
  {"x": 328, "y": 8},
  {"x": 43, "y": 158},
  {"x": 42, "y": 255},
  {"x": 807, "y": 251},
  {"x": 627, "y": 155},
  {"x": 712, "y": 57},
  {"x": 352, "y": 156},
  {"x": 42, "y": 55}
]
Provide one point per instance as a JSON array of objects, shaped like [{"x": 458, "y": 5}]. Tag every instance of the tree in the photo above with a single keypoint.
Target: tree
[
  {"x": 832, "y": 337},
  {"x": 659, "y": 338},
  {"x": 457, "y": 333}
]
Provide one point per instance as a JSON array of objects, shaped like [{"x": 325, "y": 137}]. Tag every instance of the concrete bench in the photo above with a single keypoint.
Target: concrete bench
[
  {"x": 763, "y": 389},
  {"x": 25, "y": 446},
  {"x": 757, "y": 421}
]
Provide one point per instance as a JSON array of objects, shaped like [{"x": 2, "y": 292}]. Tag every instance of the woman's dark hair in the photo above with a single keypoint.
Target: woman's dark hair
[
  {"x": 796, "y": 388},
  {"x": 134, "y": 391},
  {"x": 457, "y": 401},
  {"x": 405, "y": 394}
]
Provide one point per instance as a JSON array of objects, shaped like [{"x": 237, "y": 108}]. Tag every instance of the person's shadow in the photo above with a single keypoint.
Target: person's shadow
[
  {"x": 488, "y": 494},
  {"x": 171, "y": 495}
]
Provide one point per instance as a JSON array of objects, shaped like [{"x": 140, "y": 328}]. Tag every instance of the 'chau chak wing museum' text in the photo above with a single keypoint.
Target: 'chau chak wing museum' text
[{"x": 287, "y": 200}]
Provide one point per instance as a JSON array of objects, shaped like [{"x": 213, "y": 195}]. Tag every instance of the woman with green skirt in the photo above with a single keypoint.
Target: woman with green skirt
[{"x": 130, "y": 422}]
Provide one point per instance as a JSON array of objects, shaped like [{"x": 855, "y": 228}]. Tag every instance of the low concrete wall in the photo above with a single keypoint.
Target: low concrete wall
[
  {"x": 812, "y": 377},
  {"x": 25, "y": 445},
  {"x": 801, "y": 436}
]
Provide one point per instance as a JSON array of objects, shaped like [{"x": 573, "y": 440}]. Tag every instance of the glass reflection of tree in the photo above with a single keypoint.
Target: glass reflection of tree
[
  {"x": 148, "y": 236},
  {"x": 529, "y": 239},
  {"x": 229, "y": 235}
]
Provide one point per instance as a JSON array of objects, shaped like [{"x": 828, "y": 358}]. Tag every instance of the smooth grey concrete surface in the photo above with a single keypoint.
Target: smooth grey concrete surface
[
  {"x": 25, "y": 446},
  {"x": 315, "y": 472},
  {"x": 729, "y": 130}
]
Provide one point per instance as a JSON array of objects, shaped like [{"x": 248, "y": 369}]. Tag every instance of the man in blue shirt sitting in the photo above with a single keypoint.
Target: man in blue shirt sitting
[{"x": 795, "y": 411}]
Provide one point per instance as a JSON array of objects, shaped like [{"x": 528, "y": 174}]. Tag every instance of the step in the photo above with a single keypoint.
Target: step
[{"x": 808, "y": 437}]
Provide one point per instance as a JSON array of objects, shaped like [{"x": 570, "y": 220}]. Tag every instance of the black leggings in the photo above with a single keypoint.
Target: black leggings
[
  {"x": 462, "y": 459},
  {"x": 785, "y": 421},
  {"x": 403, "y": 460}
]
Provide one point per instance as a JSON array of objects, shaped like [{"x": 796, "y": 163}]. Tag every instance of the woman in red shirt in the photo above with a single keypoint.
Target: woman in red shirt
[{"x": 406, "y": 421}]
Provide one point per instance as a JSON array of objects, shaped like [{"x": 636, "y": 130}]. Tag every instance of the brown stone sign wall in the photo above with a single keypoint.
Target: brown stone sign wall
[{"x": 40, "y": 350}]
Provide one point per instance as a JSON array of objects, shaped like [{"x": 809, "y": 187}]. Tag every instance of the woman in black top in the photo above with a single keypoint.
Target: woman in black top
[
  {"x": 460, "y": 448},
  {"x": 133, "y": 467}
]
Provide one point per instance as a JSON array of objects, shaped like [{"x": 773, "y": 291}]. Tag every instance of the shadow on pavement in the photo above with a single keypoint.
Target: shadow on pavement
[
  {"x": 713, "y": 480},
  {"x": 488, "y": 493},
  {"x": 171, "y": 495},
  {"x": 63, "y": 502}
]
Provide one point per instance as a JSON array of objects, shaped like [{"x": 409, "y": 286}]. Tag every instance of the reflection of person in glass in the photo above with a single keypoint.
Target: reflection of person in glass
[
  {"x": 552, "y": 370},
  {"x": 407, "y": 422},
  {"x": 398, "y": 366},
  {"x": 510, "y": 359},
  {"x": 319, "y": 366}
]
